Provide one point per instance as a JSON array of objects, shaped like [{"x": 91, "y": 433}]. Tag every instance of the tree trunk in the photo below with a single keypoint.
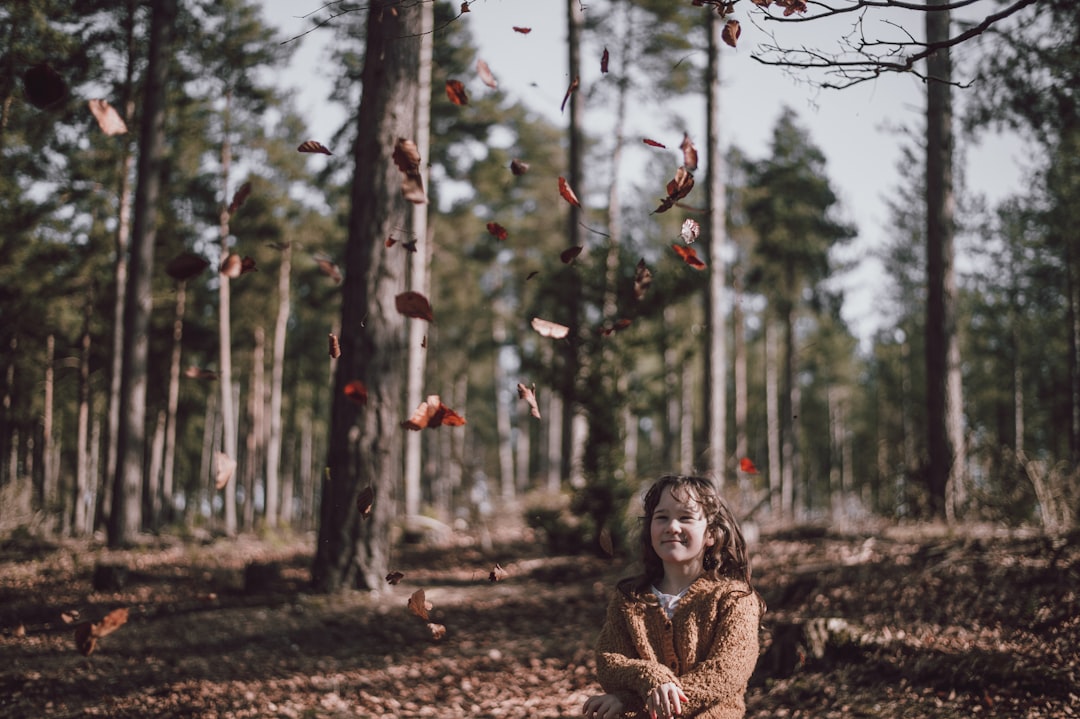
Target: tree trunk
[
  {"x": 419, "y": 265},
  {"x": 82, "y": 449},
  {"x": 780, "y": 498},
  {"x": 277, "y": 374},
  {"x": 228, "y": 411},
  {"x": 789, "y": 412},
  {"x": 124, "y": 519},
  {"x": 716, "y": 232},
  {"x": 672, "y": 394},
  {"x": 48, "y": 496},
  {"x": 255, "y": 433},
  {"x": 686, "y": 420},
  {"x": 503, "y": 428},
  {"x": 366, "y": 446},
  {"x": 169, "y": 461},
  {"x": 152, "y": 481},
  {"x": 738, "y": 349},
  {"x": 944, "y": 392}
]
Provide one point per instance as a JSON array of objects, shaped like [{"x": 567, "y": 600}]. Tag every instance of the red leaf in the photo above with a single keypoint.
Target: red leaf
[
  {"x": 677, "y": 189},
  {"x": 642, "y": 279},
  {"x": 604, "y": 61},
  {"x": 619, "y": 324},
  {"x": 407, "y": 159},
  {"x": 569, "y": 91},
  {"x": 546, "y": 328},
  {"x": 432, "y": 413},
  {"x": 186, "y": 266},
  {"x": 365, "y": 501},
  {"x": 567, "y": 192},
  {"x": 570, "y": 254},
  {"x": 689, "y": 256},
  {"x": 731, "y": 32},
  {"x": 415, "y": 305},
  {"x": 690, "y": 157},
  {"x": 747, "y": 465},
  {"x": 654, "y": 143},
  {"x": 313, "y": 146},
  {"x": 455, "y": 90},
  {"x": 497, "y": 231},
  {"x": 529, "y": 395},
  {"x": 356, "y": 392},
  {"x": 522, "y": 30},
  {"x": 108, "y": 119},
  {"x": 518, "y": 167},
  {"x": 239, "y": 197},
  {"x": 335, "y": 346},
  {"x": 486, "y": 77}
]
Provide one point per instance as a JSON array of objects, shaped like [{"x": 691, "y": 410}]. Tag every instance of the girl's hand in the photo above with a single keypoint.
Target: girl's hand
[
  {"x": 665, "y": 701},
  {"x": 603, "y": 706}
]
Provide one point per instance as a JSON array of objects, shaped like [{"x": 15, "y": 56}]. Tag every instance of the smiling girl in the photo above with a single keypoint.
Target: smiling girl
[{"x": 681, "y": 639}]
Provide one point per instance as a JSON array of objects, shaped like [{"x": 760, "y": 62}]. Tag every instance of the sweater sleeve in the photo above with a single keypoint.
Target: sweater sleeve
[
  {"x": 619, "y": 668},
  {"x": 719, "y": 681}
]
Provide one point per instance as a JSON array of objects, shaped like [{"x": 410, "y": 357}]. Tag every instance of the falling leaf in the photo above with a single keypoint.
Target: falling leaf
[
  {"x": 570, "y": 254},
  {"x": 455, "y": 90},
  {"x": 550, "y": 329},
  {"x": 20, "y": 630},
  {"x": 689, "y": 256},
  {"x": 569, "y": 91},
  {"x": 689, "y": 153},
  {"x": 465, "y": 7},
  {"x": 792, "y": 6},
  {"x": 654, "y": 143},
  {"x": 532, "y": 274},
  {"x": 407, "y": 159},
  {"x": 335, "y": 346},
  {"x": 199, "y": 373},
  {"x": 43, "y": 87},
  {"x": 522, "y": 30},
  {"x": 394, "y": 577},
  {"x": 234, "y": 266},
  {"x": 239, "y": 197},
  {"x": 497, "y": 231},
  {"x": 438, "y": 631},
  {"x": 604, "y": 61},
  {"x": 87, "y": 633},
  {"x": 69, "y": 618},
  {"x": 568, "y": 193},
  {"x": 486, "y": 77},
  {"x": 677, "y": 189},
  {"x": 364, "y": 501},
  {"x": 747, "y": 465},
  {"x": 108, "y": 119},
  {"x": 356, "y": 391},
  {"x": 186, "y": 266},
  {"x": 642, "y": 279},
  {"x": 432, "y": 413},
  {"x": 415, "y": 305},
  {"x": 223, "y": 469},
  {"x": 605, "y": 542},
  {"x": 419, "y": 606},
  {"x": 313, "y": 146},
  {"x": 328, "y": 268},
  {"x": 690, "y": 231},
  {"x": 617, "y": 325},
  {"x": 731, "y": 32},
  {"x": 529, "y": 395},
  {"x": 497, "y": 574},
  {"x": 423, "y": 342},
  {"x": 518, "y": 167}
]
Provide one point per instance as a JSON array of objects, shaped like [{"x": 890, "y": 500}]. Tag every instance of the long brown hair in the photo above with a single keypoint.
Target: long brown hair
[{"x": 726, "y": 557}]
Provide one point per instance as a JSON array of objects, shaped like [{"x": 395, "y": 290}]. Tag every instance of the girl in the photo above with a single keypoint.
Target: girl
[{"x": 682, "y": 638}]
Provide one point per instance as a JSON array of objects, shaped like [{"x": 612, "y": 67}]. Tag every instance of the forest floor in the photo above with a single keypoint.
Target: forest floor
[{"x": 971, "y": 623}]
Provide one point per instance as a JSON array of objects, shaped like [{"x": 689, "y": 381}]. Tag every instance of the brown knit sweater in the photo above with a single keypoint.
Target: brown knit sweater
[{"x": 709, "y": 648}]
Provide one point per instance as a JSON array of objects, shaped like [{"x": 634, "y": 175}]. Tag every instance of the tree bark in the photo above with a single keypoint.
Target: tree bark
[
  {"x": 256, "y": 432},
  {"x": 277, "y": 374},
  {"x": 49, "y": 495},
  {"x": 169, "y": 460},
  {"x": 124, "y": 520},
  {"x": 228, "y": 410},
  {"x": 82, "y": 449},
  {"x": 738, "y": 350},
  {"x": 366, "y": 444},
  {"x": 781, "y": 504},
  {"x": 716, "y": 232}
]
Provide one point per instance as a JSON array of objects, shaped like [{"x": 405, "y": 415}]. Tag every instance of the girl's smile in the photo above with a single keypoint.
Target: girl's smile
[{"x": 679, "y": 532}]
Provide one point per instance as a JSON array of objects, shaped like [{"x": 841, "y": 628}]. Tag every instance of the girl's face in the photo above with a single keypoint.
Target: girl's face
[{"x": 679, "y": 531}]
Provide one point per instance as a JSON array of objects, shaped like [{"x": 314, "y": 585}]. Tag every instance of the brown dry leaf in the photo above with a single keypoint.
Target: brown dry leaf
[
  {"x": 223, "y": 469},
  {"x": 497, "y": 231},
  {"x": 419, "y": 606},
  {"x": 394, "y": 577},
  {"x": 465, "y": 7},
  {"x": 522, "y": 30},
  {"x": 108, "y": 119},
  {"x": 186, "y": 266},
  {"x": 604, "y": 58},
  {"x": 690, "y": 231},
  {"x": 432, "y": 413},
  {"x": 731, "y": 32},
  {"x": 328, "y": 268},
  {"x": 497, "y": 574},
  {"x": 642, "y": 279},
  {"x": 653, "y": 143},
  {"x": 570, "y": 254},
  {"x": 364, "y": 502},
  {"x": 677, "y": 189},
  {"x": 231, "y": 266},
  {"x": 87, "y": 633},
  {"x": 194, "y": 372},
  {"x": 486, "y": 77},
  {"x": 690, "y": 157},
  {"x": 415, "y": 305},
  {"x": 567, "y": 192},
  {"x": 239, "y": 197},
  {"x": 335, "y": 346},
  {"x": 518, "y": 167},
  {"x": 20, "y": 630},
  {"x": 455, "y": 90},
  {"x": 529, "y": 395},
  {"x": 606, "y": 543},
  {"x": 619, "y": 324},
  {"x": 570, "y": 91},
  {"x": 356, "y": 392},
  {"x": 438, "y": 631},
  {"x": 247, "y": 264},
  {"x": 407, "y": 159},
  {"x": 313, "y": 146},
  {"x": 550, "y": 329}
]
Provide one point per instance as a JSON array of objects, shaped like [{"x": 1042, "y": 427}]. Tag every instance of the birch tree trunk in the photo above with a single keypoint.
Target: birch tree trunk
[
  {"x": 256, "y": 400},
  {"x": 277, "y": 374},
  {"x": 82, "y": 437},
  {"x": 124, "y": 520},
  {"x": 169, "y": 461},
  {"x": 228, "y": 411},
  {"x": 504, "y": 430},
  {"x": 738, "y": 350},
  {"x": 716, "y": 233}
]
